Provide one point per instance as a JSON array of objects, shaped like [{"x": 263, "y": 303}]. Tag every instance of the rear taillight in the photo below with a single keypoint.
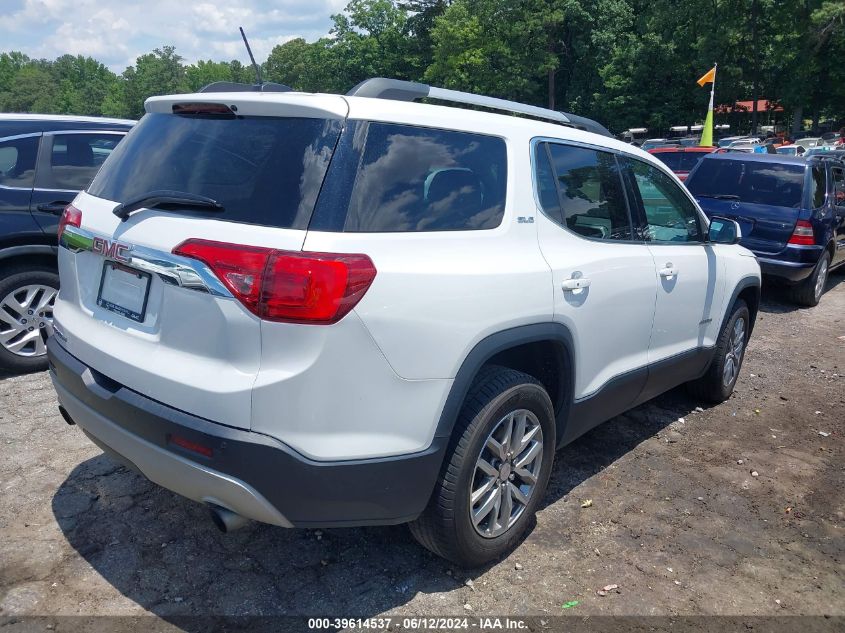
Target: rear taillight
[
  {"x": 290, "y": 286},
  {"x": 71, "y": 216},
  {"x": 803, "y": 234}
]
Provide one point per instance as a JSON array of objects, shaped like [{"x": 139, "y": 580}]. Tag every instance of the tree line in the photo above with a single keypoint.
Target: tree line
[{"x": 624, "y": 62}]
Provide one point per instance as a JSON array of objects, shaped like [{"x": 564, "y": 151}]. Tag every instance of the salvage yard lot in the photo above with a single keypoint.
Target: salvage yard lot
[{"x": 679, "y": 519}]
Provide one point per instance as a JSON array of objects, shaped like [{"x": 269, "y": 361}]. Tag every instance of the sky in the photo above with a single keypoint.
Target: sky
[{"x": 115, "y": 32}]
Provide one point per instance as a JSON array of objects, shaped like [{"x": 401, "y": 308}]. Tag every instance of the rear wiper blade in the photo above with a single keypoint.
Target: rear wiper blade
[
  {"x": 165, "y": 197},
  {"x": 717, "y": 196}
]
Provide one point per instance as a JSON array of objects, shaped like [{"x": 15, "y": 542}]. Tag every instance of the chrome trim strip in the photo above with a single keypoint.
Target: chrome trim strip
[{"x": 172, "y": 269}]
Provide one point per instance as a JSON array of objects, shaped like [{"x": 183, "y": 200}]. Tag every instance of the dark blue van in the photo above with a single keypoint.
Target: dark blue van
[{"x": 791, "y": 211}]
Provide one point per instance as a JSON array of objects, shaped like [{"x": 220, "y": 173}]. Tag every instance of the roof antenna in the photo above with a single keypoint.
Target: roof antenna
[{"x": 254, "y": 65}]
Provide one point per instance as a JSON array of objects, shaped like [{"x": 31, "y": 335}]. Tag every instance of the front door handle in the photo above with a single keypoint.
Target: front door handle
[
  {"x": 575, "y": 284},
  {"x": 668, "y": 271},
  {"x": 56, "y": 208}
]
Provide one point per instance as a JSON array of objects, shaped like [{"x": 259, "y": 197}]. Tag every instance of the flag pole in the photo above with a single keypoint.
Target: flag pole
[{"x": 707, "y": 132}]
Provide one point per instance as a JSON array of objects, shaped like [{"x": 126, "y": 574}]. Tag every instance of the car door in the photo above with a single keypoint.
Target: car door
[
  {"x": 67, "y": 162},
  {"x": 603, "y": 280},
  {"x": 17, "y": 176},
  {"x": 690, "y": 276},
  {"x": 838, "y": 205}
]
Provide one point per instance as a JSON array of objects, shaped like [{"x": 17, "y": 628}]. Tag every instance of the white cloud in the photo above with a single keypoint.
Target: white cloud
[{"x": 115, "y": 31}]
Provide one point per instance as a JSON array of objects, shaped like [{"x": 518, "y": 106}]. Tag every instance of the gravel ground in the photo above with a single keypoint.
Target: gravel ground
[{"x": 679, "y": 519}]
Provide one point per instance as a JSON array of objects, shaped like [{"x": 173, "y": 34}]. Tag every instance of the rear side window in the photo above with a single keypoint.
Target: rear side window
[
  {"x": 17, "y": 162},
  {"x": 75, "y": 159},
  {"x": 399, "y": 178},
  {"x": 838, "y": 186},
  {"x": 819, "y": 185},
  {"x": 752, "y": 181},
  {"x": 263, "y": 170},
  {"x": 589, "y": 190}
]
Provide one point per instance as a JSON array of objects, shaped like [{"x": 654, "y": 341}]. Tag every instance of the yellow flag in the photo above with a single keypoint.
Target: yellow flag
[{"x": 708, "y": 78}]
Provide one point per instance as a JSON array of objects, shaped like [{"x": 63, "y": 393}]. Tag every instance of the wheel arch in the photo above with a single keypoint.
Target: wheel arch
[
  {"x": 526, "y": 348},
  {"x": 32, "y": 254},
  {"x": 747, "y": 289}
]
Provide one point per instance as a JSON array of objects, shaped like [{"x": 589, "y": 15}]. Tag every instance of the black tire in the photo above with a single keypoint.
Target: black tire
[
  {"x": 12, "y": 280},
  {"x": 809, "y": 292},
  {"x": 712, "y": 387},
  {"x": 445, "y": 527}
]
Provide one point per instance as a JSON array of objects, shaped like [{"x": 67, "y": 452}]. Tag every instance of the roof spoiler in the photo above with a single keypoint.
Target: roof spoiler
[{"x": 399, "y": 90}]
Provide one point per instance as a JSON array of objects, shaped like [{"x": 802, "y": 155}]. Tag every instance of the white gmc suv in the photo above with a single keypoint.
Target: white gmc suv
[{"x": 324, "y": 310}]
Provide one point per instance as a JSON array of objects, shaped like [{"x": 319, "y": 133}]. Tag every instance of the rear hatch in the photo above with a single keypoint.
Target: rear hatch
[
  {"x": 261, "y": 157},
  {"x": 763, "y": 196}
]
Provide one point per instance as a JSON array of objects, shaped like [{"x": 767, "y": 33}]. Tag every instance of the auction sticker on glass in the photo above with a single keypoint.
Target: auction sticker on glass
[{"x": 124, "y": 290}]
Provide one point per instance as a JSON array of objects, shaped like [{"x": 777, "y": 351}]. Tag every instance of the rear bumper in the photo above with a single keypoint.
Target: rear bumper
[
  {"x": 785, "y": 271},
  {"x": 249, "y": 473},
  {"x": 793, "y": 265}
]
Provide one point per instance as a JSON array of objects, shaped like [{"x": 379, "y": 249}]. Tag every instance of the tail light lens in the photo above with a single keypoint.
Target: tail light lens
[
  {"x": 289, "y": 286},
  {"x": 71, "y": 216},
  {"x": 803, "y": 234}
]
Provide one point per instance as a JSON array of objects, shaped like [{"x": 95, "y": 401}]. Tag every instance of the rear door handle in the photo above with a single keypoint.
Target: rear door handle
[
  {"x": 56, "y": 208},
  {"x": 668, "y": 272},
  {"x": 575, "y": 284}
]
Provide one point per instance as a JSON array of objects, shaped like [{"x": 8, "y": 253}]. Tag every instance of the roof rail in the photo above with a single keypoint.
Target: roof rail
[
  {"x": 233, "y": 86},
  {"x": 399, "y": 90}
]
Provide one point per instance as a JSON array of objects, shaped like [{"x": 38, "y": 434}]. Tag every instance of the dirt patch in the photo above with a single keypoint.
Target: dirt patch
[{"x": 679, "y": 519}]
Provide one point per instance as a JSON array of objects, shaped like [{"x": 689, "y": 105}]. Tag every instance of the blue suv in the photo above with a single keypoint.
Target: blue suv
[{"x": 791, "y": 212}]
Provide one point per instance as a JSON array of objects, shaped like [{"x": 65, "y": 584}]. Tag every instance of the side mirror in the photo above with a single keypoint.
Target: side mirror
[{"x": 724, "y": 231}]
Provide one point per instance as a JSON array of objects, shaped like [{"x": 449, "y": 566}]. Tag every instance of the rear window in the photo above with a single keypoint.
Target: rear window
[
  {"x": 679, "y": 161},
  {"x": 263, "y": 170},
  {"x": 399, "y": 178},
  {"x": 756, "y": 182}
]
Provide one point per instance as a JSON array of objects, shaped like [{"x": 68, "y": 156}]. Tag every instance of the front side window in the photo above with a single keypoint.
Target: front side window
[
  {"x": 412, "y": 179},
  {"x": 670, "y": 216},
  {"x": 589, "y": 189},
  {"x": 75, "y": 159},
  {"x": 17, "y": 162}
]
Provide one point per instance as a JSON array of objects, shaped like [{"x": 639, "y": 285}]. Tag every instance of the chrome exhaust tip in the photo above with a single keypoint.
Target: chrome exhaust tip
[{"x": 226, "y": 520}]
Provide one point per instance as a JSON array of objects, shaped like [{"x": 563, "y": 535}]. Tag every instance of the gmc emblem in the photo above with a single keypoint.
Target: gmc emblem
[{"x": 112, "y": 250}]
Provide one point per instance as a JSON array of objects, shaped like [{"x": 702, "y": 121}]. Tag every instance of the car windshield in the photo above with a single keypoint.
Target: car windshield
[
  {"x": 751, "y": 181},
  {"x": 680, "y": 161}
]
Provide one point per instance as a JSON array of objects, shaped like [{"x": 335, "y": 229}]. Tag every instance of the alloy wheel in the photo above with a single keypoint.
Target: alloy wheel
[
  {"x": 506, "y": 473},
  {"x": 26, "y": 319},
  {"x": 733, "y": 357},
  {"x": 821, "y": 278}
]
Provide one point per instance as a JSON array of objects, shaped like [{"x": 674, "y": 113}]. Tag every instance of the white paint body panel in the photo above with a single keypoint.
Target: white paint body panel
[
  {"x": 611, "y": 319},
  {"x": 689, "y": 303},
  {"x": 375, "y": 383}
]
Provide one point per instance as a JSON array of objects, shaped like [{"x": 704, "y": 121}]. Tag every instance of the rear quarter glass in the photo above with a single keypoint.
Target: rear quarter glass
[
  {"x": 263, "y": 170},
  {"x": 388, "y": 177}
]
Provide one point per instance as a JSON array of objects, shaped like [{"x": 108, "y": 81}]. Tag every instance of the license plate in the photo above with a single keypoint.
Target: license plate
[{"x": 124, "y": 290}]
